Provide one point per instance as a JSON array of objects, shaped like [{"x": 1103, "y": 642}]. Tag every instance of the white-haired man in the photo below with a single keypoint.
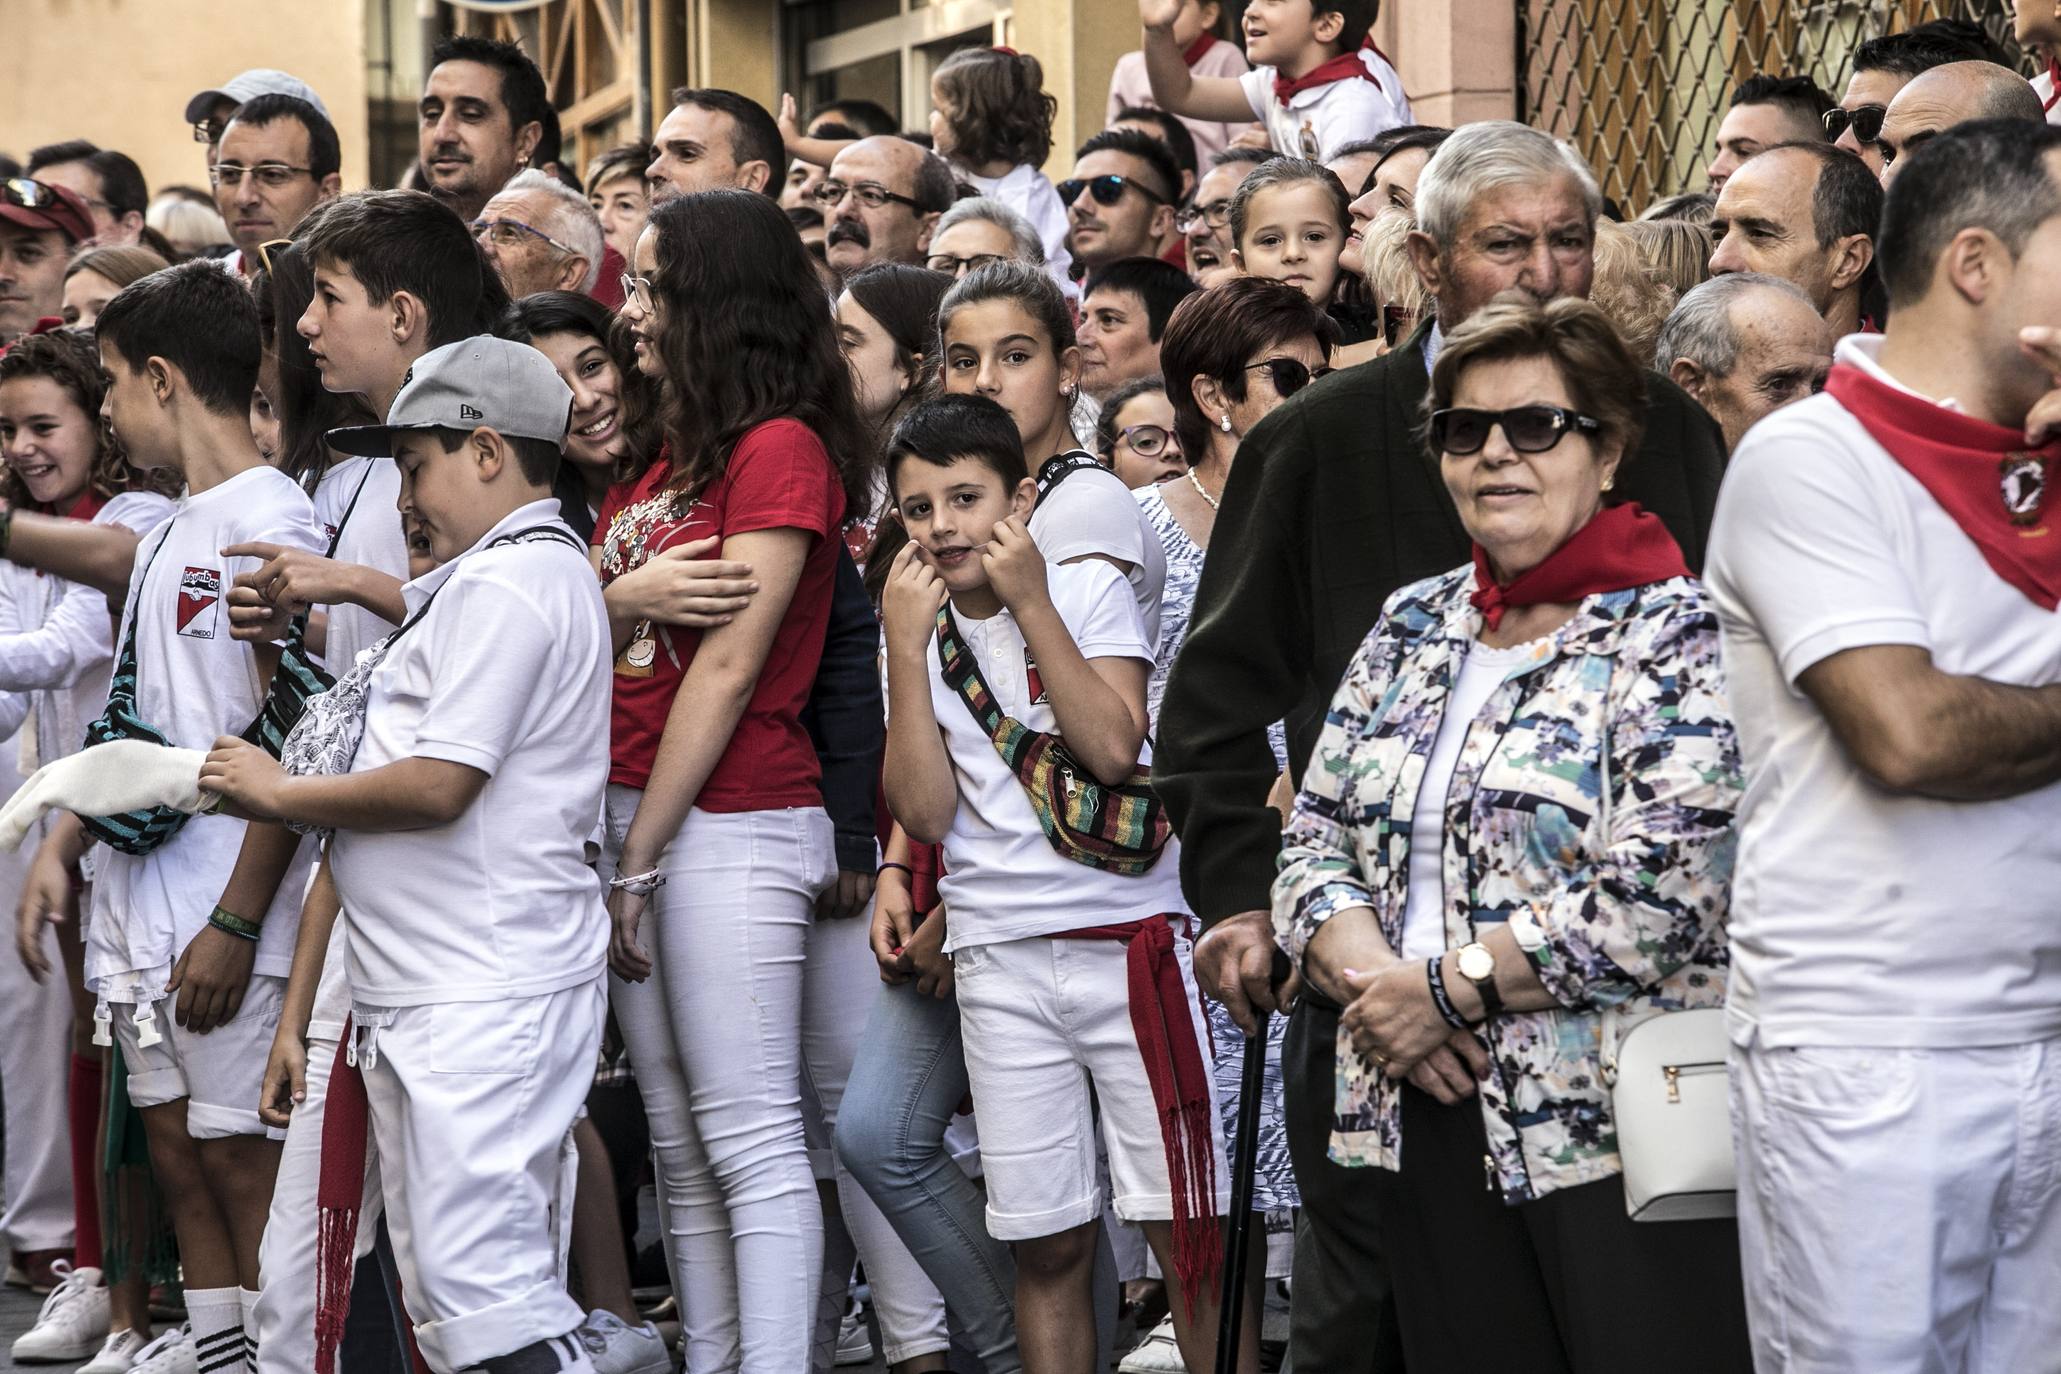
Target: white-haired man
[
  {"x": 1333, "y": 505},
  {"x": 1745, "y": 345},
  {"x": 541, "y": 235}
]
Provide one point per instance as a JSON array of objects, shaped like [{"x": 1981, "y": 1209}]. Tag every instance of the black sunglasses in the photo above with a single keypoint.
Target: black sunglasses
[
  {"x": 28, "y": 194},
  {"x": 1107, "y": 190},
  {"x": 1288, "y": 375},
  {"x": 1529, "y": 429},
  {"x": 1866, "y": 122}
]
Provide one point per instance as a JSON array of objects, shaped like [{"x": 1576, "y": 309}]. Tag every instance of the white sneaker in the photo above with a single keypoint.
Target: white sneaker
[
  {"x": 616, "y": 1347},
  {"x": 171, "y": 1353},
  {"x": 73, "y": 1321},
  {"x": 1158, "y": 1353},
  {"x": 854, "y": 1343},
  {"x": 118, "y": 1355}
]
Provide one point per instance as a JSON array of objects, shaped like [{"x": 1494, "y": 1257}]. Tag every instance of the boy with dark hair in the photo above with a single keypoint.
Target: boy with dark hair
[
  {"x": 1317, "y": 80},
  {"x": 483, "y": 110},
  {"x": 477, "y": 984},
  {"x": 181, "y": 348},
  {"x": 1123, "y": 313},
  {"x": 1071, "y": 972}
]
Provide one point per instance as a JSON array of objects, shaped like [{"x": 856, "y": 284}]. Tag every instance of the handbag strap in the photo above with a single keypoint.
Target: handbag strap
[
  {"x": 1059, "y": 467},
  {"x": 523, "y": 536},
  {"x": 345, "y": 519},
  {"x": 124, "y": 680}
]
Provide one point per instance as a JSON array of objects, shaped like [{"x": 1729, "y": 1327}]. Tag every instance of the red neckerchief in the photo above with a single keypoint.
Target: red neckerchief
[
  {"x": 86, "y": 507},
  {"x": 339, "y": 1190},
  {"x": 1161, "y": 1019},
  {"x": 1344, "y": 67},
  {"x": 1194, "y": 51},
  {"x": 1622, "y": 547},
  {"x": 1985, "y": 476},
  {"x": 2054, "y": 84}
]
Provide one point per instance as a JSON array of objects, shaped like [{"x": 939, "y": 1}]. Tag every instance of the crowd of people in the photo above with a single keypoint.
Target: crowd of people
[{"x": 809, "y": 666}]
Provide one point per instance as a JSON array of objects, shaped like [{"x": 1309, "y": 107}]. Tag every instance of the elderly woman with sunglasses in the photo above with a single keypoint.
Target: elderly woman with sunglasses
[{"x": 1516, "y": 831}]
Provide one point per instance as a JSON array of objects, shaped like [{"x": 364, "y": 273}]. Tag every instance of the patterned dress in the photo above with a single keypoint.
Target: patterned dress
[
  {"x": 1590, "y": 812},
  {"x": 1273, "y": 1187}
]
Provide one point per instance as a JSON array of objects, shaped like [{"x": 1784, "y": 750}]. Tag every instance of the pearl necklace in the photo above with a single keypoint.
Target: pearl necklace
[{"x": 1200, "y": 490}]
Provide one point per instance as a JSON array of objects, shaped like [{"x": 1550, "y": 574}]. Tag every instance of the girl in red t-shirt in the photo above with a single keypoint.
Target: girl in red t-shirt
[{"x": 715, "y": 822}]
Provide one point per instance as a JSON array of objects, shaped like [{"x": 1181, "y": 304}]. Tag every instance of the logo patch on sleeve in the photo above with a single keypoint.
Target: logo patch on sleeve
[
  {"x": 1032, "y": 681},
  {"x": 200, "y": 599}
]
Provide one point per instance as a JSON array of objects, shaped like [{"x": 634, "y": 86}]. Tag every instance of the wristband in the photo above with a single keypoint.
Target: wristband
[
  {"x": 638, "y": 884},
  {"x": 1446, "y": 1010},
  {"x": 221, "y": 918},
  {"x": 900, "y": 867}
]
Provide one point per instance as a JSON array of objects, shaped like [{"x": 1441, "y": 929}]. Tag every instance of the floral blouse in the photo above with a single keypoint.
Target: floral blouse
[{"x": 1619, "y": 900}]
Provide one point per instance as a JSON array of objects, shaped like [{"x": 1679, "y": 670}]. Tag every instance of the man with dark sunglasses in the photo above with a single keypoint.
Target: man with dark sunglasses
[
  {"x": 1121, "y": 198},
  {"x": 882, "y": 198},
  {"x": 1884, "y": 66},
  {"x": 40, "y": 225},
  {"x": 1333, "y": 504}
]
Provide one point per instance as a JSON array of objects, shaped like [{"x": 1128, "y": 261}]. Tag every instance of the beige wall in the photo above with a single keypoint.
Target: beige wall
[{"x": 120, "y": 71}]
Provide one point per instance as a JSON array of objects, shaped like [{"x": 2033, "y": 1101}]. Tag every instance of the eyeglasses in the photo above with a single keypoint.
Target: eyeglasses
[
  {"x": 637, "y": 292},
  {"x": 28, "y": 194},
  {"x": 209, "y": 130},
  {"x": 1529, "y": 429},
  {"x": 871, "y": 194},
  {"x": 272, "y": 175},
  {"x": 959, "y": 267},
  {"x": 1107, "y": 190},
  {"x": 1288, "y": 375},
  {"x": 1866, "y": 122},
  {"x": 510, "y": 233},
  {"x": 271, "y": 251},
  {"x": 1147, "y": 441},
  {"x": 1216, "y": 215}
]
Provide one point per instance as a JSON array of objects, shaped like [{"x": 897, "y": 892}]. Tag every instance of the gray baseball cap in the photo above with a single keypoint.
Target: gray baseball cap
[
  {"x": 481, "y": 381},
  {"x": 249, "y": 86}
]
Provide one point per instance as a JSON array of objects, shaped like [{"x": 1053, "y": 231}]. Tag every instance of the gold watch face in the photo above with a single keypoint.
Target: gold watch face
[{"x": 1476, "y": 964}]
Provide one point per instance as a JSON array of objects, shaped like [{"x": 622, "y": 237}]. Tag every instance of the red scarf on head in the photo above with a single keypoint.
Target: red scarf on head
[
  {"x": 1985, "y": 476},
  {"x": 1622, "y": 547},
  {"x": 1194, "y": 51},
  {"x": 1161, "y": 1019},
  {"x": 1344, "y": 67}
]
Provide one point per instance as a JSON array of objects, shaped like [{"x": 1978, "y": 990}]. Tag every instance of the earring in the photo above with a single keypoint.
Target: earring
[
  {"x": 1224, "y": 423},
  {"x": 1609, "y": 482}
]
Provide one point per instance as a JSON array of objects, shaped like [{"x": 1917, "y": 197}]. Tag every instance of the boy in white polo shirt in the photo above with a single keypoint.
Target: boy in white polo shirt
[
  {"x": 1068, "y": 974},
  {"x": 182, "y": 349},
  {"x": 1317, "y": 82},
  {"x": 476, "y": 936}
]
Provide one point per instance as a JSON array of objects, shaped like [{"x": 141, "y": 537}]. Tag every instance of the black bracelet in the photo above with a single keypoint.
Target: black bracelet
[
  {"x": 892, "y": 864},
  {"x": 1446, "y": 1009}
]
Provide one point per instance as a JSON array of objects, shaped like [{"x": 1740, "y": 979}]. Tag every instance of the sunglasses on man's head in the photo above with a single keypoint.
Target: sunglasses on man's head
[
  {"x": 1528, "y": 429},
  {"x": 1107, "y": 190},
  {"x": 28, "y": 194},
  {"x": 1288, "y": 375},
  {"x": 1866, "y": 122},
  {"x": 209, "y": 130}
]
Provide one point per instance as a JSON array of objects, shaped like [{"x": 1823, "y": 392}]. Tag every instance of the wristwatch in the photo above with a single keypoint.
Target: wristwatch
[{"x": 1478, "y": 966}]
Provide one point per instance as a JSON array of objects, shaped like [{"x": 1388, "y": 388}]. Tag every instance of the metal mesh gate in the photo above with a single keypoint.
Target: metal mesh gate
[{"x": 1639, "y": 86}]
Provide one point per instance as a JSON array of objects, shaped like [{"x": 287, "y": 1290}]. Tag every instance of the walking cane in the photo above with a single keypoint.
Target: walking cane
[{"x": 1244, "y": 1165}]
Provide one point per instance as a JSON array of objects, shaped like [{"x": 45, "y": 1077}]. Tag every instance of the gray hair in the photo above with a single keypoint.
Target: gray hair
[
  {"x": 1029, "y": 247},
  {"x": 1481, "y": 157},
  {"x": 1700, "y": 328},
  {"x": 567, "y": 217}
]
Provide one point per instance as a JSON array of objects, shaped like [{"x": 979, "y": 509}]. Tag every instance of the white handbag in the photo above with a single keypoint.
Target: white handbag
[{"x": 1671, "y": 1097}]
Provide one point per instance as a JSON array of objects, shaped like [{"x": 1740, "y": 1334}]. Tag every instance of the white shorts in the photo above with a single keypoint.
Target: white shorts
[
  {"x": 1900, "y": 1209},
  {"x": 1045, "y": 1021},
  {"x": 220, "y": 1073},
  {"x": 473, "y": 1105}
]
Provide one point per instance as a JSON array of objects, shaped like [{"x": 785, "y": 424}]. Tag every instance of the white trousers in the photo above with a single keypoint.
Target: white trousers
[
  {"x": 715, "y": 1037},
  {"x": 472, "y": 1107},
  {"x": 286, "y": 1256},
  {"x": 1900, "y": 1210},
  {"x": 35, "y": 1058}
]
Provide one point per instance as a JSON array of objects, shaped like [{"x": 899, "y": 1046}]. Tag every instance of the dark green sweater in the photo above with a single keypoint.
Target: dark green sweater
[{"x": 1332, "y": 505}]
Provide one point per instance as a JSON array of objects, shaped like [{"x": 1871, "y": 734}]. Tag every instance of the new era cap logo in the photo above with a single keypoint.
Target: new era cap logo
[{"x": 466, "y": 412}]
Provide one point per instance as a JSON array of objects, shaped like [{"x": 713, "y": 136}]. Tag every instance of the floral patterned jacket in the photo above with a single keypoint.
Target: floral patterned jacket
[{"x": 1619, "y": 903}]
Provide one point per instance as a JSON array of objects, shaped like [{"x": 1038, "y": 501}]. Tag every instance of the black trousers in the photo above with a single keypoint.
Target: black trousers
[
  {"x": 1342, "y": 1316},
  {"x": 1566, "y": 1284}
]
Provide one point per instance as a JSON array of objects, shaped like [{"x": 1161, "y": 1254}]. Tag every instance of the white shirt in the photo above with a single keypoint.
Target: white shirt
[
  {"x": 195, "y": 684},
  {"x": 1025, "y": 189},
  {"x": 1424, "y": 911},
  {"x": 1858, "y": 917},
  {"x": 508, "y": 673},
  {"x": 1316, "y": 123},
  {"x": 356, "y": 503},
  {"x": 1003, "y": 879},
  {"x": 1093, "y": 512}
]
